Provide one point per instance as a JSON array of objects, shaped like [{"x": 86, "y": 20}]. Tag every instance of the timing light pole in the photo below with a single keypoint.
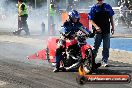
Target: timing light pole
[
  {"x": 35, "y": 4},
  {"x": 48, "y": 11}
]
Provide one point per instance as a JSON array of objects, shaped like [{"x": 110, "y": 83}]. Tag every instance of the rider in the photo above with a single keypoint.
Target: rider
[{"x": 70, "y": 27}]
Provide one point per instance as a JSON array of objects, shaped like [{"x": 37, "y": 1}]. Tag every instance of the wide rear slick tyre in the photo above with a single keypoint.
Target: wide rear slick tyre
[{"x": 88, "y": 63}]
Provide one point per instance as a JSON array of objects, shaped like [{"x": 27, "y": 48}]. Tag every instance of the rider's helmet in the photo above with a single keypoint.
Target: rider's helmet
[
  {"x": 99, "y": 0},
  {"x": 22, "y": 1},
  {"x": 73, "y": 14}
]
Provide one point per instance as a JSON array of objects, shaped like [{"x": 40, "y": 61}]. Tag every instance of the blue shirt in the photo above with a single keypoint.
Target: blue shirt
[
  {"x": 72, "y": 28},
  {"x": 96, "y": 8}
]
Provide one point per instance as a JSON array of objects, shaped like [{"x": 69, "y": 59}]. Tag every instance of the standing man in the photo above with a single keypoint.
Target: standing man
[
  {"x": 101, "y": 16},
  {"x": 22, "y": 18}
]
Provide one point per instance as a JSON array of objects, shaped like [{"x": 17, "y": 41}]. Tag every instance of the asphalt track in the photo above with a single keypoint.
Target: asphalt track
[{"x": 16, "y": 71}]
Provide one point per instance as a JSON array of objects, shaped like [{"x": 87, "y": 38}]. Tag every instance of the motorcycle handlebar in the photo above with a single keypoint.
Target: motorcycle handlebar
[
  {"x": 90, "y": 35},
  {"x": 65, "y": 35}
]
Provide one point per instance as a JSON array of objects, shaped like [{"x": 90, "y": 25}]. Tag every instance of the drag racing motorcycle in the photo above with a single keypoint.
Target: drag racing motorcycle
[{"x": 76, "y": 50}]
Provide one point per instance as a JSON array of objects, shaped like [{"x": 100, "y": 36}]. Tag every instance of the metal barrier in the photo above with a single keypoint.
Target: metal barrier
[
  {"x": 58, "y": 21},
  {"x": 123, "y": 18}
]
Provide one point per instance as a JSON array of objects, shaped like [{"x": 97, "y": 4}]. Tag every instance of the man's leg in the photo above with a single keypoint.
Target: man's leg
[
  {"x": 19, "y": 23},
  {"x": 106, "y": 46},
  {"x": 97, "y": 43},
  {"x": 25, "y": 26},
  {"x": 18, "y": 31}
]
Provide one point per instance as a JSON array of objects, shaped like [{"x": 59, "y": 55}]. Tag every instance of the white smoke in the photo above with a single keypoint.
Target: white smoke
[
  {"x": 35, "y": 19},
  {"x": 39, "y": 15},
  {"x": 8, "y": 15}
]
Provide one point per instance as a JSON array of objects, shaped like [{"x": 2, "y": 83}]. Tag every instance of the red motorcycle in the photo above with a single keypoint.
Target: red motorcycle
[{"x": 76, "y": 50}]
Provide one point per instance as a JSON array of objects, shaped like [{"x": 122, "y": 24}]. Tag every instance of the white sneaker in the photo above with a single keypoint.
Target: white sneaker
[{"x": 103, "y": 64}]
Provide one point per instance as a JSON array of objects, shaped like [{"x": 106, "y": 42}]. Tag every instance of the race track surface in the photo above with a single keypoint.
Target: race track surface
[{"x": 16, "y": 71}]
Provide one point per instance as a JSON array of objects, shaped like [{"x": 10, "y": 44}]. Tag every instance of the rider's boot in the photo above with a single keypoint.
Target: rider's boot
[
  {"x": 56, "y": 69},
  {"x": 97, "y": 65},
  {"x": 57, "y": 66}
]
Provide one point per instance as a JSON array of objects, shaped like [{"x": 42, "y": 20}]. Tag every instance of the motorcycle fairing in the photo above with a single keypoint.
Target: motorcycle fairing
[
  {"x": 83, "y": 49},
  {"x": 70, "y": 42},
  {"x": 39, "y": 55},
  {"x": 52, "y": 46}
]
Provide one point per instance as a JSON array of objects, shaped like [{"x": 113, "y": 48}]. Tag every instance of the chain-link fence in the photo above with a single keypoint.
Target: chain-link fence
[
  {"x": 123, "y": 18},
  {"x": 39, "y": 16}
]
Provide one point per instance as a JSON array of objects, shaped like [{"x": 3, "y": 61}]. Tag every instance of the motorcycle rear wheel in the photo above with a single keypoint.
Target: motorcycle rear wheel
[{"x": 88, "y": 62}]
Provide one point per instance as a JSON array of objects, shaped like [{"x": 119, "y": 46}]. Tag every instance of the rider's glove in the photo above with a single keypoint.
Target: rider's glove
[
  {"x": 87, "y": 35},
  {"x": 91, "y": 35}
]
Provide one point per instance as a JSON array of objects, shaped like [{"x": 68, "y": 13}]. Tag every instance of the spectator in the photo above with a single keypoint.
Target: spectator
[
  {"x": 123, "y": 13},
  {"x": 101, "y": 15},
  {"x": 22, "y": 18}
]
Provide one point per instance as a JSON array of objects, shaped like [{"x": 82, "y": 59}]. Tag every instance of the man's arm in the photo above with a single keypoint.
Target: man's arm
[
  {"x": 84, "y": 29},
  {"x": 111, "y": 11},
  {"x": 91, "y": 17},
  {"x": 96, "y": 26},
  {"x": 112, "y": 24}
]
